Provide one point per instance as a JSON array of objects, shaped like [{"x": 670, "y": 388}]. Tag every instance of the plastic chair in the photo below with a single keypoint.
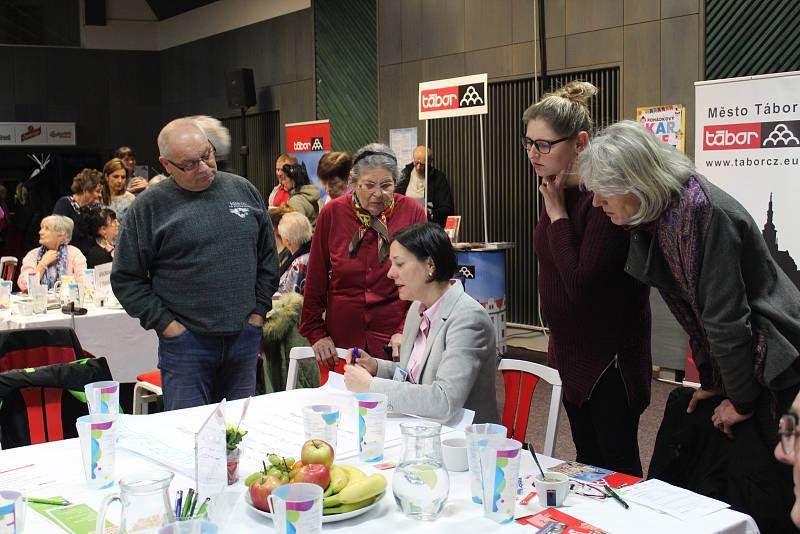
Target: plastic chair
[
  {"x": 520, "y": 378},
  {"x": 147, "y": 390},
  {"x": 302, "y": 353},
  {"x": 8, "y": 268}
]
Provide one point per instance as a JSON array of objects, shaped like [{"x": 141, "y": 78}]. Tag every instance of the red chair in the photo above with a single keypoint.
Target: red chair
[
  {"x": 302, "y": 353},
  {"x": 520, "y": 379},
  {"x": 147, "y": 389},
  {"x": 8, "y": 268}
]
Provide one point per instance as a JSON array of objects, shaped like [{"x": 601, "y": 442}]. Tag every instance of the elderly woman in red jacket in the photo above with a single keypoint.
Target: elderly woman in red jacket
[{"x": 349, "y": 301}]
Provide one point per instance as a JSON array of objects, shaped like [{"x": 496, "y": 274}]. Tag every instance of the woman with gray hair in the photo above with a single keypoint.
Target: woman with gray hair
[
  {"x": 349, "y": 301},
  {"x": 702, "y": 250},
  {"x": 55, "y": 257},
  {"x": 295, "y": 231}
]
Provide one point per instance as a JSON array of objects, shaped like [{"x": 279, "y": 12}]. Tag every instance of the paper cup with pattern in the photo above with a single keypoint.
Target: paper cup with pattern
[
  {"x": 371, "y": 425},
  {"x": 321, "y": 421},
  {"x": 97, "y": 434},
  {"x": 478, "y": 436},
  {"x": 499, "y": 461},
  {"x": 12, "y": 512},
  {"x": 296, "y": 508},
  {"x": 103, "y": 397}
]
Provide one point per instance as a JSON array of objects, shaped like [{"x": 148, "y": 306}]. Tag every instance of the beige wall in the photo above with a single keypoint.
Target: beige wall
[{"x": 656, "y": 44}]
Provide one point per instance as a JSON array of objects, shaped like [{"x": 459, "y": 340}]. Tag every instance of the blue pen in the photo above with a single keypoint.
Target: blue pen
[
  {"x": 355, "y": 355},
  {"x": 178, "y": 504}
]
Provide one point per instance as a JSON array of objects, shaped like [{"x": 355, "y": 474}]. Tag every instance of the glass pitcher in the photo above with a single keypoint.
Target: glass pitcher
[
  {"x": 145, "y": 503},
  {"x": 421, "y": 483}
]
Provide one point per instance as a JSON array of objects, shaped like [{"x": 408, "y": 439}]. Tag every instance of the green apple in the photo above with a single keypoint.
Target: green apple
[{"x": 317, "y": 451}]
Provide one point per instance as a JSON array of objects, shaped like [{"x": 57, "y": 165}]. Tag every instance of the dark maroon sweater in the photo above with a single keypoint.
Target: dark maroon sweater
[{"x": 593, "y": 308}]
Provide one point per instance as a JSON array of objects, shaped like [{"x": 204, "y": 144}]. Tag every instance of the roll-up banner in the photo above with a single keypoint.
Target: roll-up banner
[
  {"x": 308, "y": 141},
  {"x": 747, "y": 141}
]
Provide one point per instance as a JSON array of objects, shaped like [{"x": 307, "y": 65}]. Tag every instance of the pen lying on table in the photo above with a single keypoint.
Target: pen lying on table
[
  {"x": 58, "y": 501},
  {"x": 613, "y": 494}
]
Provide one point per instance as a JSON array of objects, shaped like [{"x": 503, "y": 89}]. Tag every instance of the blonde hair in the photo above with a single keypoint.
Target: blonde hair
[
  {"x": 565, "y": 110},
  {"x": 626, "y": 158}
]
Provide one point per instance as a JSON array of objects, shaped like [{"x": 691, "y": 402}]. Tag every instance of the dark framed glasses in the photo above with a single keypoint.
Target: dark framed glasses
[
  {"x": 189, "y": 166},
  {"x": 542, "y": 146},
  {"x": 787, "y": 431}
]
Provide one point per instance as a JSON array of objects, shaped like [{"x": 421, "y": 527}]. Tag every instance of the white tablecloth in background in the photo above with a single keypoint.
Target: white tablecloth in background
[
  {"x": 111, "y": 333},
  {"x": 460, "y": 514}
]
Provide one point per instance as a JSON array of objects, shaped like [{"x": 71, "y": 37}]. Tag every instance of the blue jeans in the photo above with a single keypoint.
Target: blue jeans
[{"x": 198, "y": 369}]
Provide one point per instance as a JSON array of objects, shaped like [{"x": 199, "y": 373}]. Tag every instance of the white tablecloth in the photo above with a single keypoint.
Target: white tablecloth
[
  {"x": 460, "y": 514},
  {"x": 111, "y": 333}
]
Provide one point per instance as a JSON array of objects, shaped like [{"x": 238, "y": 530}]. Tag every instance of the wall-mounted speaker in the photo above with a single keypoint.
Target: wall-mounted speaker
[{"x": 241, "y": 88}]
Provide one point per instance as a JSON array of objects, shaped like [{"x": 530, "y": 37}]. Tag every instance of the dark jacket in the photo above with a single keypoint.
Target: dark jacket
[
  {"x": 742, "y": 293},
  {"x": 439, "y": 193}
]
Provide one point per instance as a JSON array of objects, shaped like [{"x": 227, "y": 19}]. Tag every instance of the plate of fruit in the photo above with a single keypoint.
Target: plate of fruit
[{"x": 348, "y": 491}]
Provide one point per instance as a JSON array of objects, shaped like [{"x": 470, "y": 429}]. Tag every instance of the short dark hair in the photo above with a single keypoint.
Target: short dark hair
[
  {"x": 94, "y": 218},
  {"x": 297, "y": 174},
  {"x": 428, "y": 240},
  {"x": 334, "y": 165}
]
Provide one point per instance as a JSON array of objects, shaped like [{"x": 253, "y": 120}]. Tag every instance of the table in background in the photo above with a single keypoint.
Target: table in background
[
  {"x": 460, "y": 514},
  {"x": 109, "y": 332}
]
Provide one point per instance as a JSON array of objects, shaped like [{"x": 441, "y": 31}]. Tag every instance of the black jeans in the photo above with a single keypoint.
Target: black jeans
[{"x": 605, "y": 428}]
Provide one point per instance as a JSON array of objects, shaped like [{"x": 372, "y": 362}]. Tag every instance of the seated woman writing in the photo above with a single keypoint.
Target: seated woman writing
[{"x": 447, "y": 354}]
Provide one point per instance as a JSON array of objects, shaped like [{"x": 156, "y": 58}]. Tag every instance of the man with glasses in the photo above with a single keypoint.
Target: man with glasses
[
  {"x": 786, "y": 451},
  {"x": 197, "y": 264},
  {"x": 412, "y": 185}
]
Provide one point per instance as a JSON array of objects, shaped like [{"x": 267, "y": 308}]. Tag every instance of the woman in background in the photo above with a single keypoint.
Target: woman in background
[
  {"x": 87, "y": 189},
  {"x": 599, "y": 317},
  {"x": 349, "y": 301},
  {"x": 55, "y": 257},
  {"x": 303, "y": 195},
  {"x": 295, "y": 231},
  {"x": 333, "y": 171},
  {"x": 115, "y": 196},
  {"x": 136, "y": 184},
  {"x": 448, "y": 350},
  {"x": 101, "y": 225}
]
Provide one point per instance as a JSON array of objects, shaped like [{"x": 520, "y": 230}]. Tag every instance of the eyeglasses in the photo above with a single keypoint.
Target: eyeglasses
[
  {"x": 587, "y": 490},
  {"x": 787, "y": 430},
  {"x": 369, "y": 187},
  {"x": 542, "y": 146},
  {"x": 190, "y": 166}
]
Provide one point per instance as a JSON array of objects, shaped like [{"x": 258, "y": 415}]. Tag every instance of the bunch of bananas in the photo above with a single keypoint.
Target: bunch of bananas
[{"x": 351, "y": 489}]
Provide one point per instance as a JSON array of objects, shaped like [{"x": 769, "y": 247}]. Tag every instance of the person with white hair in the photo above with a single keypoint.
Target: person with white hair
[
  {"x": 704, "y": 252},
  {"x": 196, "y": 263},
  {"x": 218, "y": 135},
  {"x": 55, "y": 257},
  {"x": 295, "y": 230}
]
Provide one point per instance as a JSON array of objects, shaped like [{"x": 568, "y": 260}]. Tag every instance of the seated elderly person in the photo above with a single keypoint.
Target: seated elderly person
[
  {"x": 55, "y": 257},
  {"x": 295, "y": 231},
  {"x": 448, "y": 350}
]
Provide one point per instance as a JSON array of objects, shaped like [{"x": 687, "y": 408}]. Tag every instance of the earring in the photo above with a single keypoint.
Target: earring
[{"x": 430, "y": 276}]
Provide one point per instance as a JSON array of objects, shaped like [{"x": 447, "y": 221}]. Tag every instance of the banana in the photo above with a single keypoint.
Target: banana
[
  {"x": 344, "y": 508},
  {"x": 357, "y": 492},
  {"x": 354, "y": 473},
  {"x": 339, "y": 479}
]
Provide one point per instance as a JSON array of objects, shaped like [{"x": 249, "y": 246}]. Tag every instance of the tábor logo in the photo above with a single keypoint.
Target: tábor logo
[
  {"x": 470, "y": 95},
  {"x": 454, "y": 97},
  {"x": 316, "y": 143},
  {"x": 732, "y": 136},
  {"x": 466, "y": 272},
  {"x": 780, "y": 134}
]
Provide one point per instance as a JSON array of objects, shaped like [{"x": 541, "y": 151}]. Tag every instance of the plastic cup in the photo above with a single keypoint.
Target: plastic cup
[
  {"x": 103, "y": 397},
  {"x": 194, "y": 526},
  {"x": 296, "y": 508},
  {"x": 499, "y": 471},
  {"x": 5, "y": 294},
  {"x": 371, "y": 426},
  {"x": 478, "y": 436},
  {"x": 551, "y": 490},
  {"x": 454, "y": 454},
  {"x": 321, "y": 421},
  {"x": 12, "y": 512},
  {"x": 97, "y": 434},
  {"x": 38, "y": 295}
]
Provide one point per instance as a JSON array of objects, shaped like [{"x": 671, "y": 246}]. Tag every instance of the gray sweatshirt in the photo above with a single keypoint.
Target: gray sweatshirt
[{"x": 204, "y": 258}]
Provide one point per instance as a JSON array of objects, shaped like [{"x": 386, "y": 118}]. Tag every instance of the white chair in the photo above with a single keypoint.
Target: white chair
[
  {"x": 146, "y": 390},
  {"x": 520, "y": 379},
  {"x": 8, "y": 268},
  {"x": 302, "y": 353}
]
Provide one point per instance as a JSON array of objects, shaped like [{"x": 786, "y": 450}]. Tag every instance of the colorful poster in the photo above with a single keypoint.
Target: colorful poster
[
  {"x": 308, "y": 141},
  {"x": 668, "y": 123},
  {"x": 747, "y": 141}
]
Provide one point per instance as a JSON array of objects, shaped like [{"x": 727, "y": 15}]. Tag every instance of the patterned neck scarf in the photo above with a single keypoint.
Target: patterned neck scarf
[
  {"x": 681, "y": 232},
  {"x": 370, "y": 222},
  {"x": 53, "y": 272}
]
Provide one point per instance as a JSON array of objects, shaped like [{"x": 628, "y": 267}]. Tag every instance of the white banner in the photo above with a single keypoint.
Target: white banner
[
  {"x": 37, "y": 133},
  {"x": 453, "y": 97},
  {"x": 747, "y": 141}
]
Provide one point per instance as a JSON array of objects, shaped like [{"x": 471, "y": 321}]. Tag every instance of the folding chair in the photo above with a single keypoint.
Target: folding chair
[
  {"x": 8, "y": 268},
  {"x": 520, "y": 379},
  {"x": 302, "y": 353}
]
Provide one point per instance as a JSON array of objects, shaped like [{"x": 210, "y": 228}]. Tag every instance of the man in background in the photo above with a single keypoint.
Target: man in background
[{"x": 412, "y": 184}]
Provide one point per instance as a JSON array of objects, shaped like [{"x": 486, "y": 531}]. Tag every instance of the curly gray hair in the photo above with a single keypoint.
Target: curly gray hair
[
  {"x": 626, "y": 158},
  {"x": 371, "y": 156},
  {"x": 60, "y": 225}
]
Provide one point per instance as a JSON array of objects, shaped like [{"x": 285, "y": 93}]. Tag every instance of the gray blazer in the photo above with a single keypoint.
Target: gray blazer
[
  {"x": 458, "y": 368},
  {"x": 741, "y": 291}
]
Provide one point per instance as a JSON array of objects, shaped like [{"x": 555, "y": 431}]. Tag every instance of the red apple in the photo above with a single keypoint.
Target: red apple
[
  {"x": 317, "y": 451},
  {"x": 261, "y": 489},
  {"x": 314, "y": 474}
]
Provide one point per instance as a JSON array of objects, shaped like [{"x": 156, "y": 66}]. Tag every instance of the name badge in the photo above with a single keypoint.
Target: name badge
[{"x": 400, "y": 375}]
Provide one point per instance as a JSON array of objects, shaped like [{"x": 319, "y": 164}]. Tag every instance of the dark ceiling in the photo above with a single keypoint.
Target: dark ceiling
[{"x": 165, "y": 9}]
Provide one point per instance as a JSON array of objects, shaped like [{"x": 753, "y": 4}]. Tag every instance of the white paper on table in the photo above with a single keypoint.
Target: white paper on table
[
  {"x": 668, "y": 499},
  {"x": 28, "y": 479}
]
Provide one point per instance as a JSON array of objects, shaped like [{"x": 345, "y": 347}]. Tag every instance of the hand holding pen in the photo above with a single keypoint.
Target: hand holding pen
[{"x": 356, "y": 356}]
